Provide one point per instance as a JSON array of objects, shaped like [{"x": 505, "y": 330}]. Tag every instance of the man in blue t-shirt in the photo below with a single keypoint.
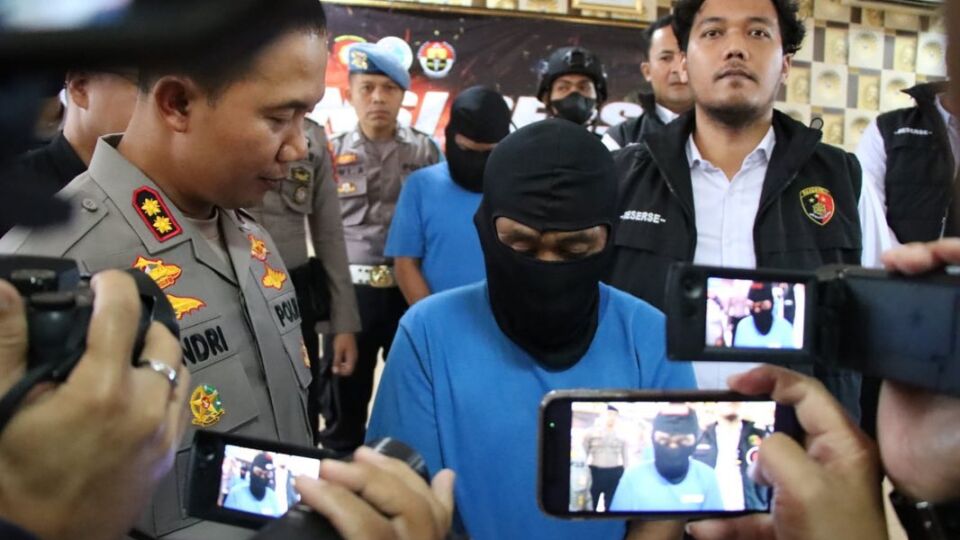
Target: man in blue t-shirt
[
  {"x": 673, "y": 481},
  {"x": 763, "y": 328},
  {"x": 432, "y": 239},
  {"x": 469, "y": 367}
]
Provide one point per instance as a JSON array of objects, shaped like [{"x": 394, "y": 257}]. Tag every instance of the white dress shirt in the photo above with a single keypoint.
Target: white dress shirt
[
  {"x": 873, "y": 157},
  {"x": 725, "y": 214}
]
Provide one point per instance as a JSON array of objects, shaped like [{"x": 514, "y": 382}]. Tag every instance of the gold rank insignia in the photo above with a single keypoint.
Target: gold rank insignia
[
  {"x": 347, "y": 159},
  {"x": 304, "y": 354},
  {"x": 258, "y": 248},
  {"x": 166, "y": 275},
  {"x": 300, "y": 174},
  {"x": 273, "y": 278},
  {"x": 155, "y": 214},
  {"x": 206, "y": 406},
  {"x": 346, "y": 188}
]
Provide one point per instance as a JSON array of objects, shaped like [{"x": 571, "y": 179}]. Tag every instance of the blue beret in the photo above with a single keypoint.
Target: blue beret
[{"x": 372, "y": 59}]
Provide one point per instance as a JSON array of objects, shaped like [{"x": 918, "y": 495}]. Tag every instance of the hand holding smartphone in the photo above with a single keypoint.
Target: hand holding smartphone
[{"x": 621, "y": 454}]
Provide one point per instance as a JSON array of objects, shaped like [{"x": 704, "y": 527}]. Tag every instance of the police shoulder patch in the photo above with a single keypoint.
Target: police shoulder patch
[
  {"x": 155, "y": 214},
  {"x": 817, "y": 204}
]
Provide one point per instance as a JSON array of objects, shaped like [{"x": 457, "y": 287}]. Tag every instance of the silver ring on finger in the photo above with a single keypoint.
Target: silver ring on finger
[{"x": 170, "y": 374}]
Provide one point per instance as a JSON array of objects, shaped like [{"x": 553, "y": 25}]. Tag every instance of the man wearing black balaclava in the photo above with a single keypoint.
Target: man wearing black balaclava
[
  {"x": 432, "y": 239},
  {"x": 763, "y": 328},
  {"x": 255, "y": 495},
  {"x": 572, "y": 85},
  {"x": 469, "y": 367},
  {"x": 672, "y": 482}
]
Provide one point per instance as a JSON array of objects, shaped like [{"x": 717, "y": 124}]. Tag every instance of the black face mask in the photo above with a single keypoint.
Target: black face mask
[
  {"x": 481, "y": 115},
  {"x": 576, "y": 108},
  {"x": 550, "y": 176},
  {"x": 466, "y": 166},
  {"x": 258, "y": 486},
  {"x": 762, "y": 318},
  {"x": 672, "y": 463}
]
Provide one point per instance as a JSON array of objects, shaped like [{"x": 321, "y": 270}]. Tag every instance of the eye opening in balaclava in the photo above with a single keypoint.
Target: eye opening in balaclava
[
  {"x": 551, "y": 176},
  {"x": 762, "y": 316},
  {"x": 673, "y": 461},
  {"x": 260, "y": 472},
  {"x": 481, "y": 115}
]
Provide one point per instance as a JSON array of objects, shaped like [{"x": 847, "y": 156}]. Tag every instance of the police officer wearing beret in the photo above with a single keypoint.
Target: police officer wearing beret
[
  {"x": 371, "y": 163},
  {"x": 323, "y": 285},
  {"x": 165, "y": 198}
]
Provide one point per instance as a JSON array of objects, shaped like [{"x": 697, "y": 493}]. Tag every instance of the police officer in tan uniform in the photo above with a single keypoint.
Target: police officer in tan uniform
[
  {"x": 371, "y": 163},
  {"x": 325, "y": 293},
  {"x": 165, "y": 199}
]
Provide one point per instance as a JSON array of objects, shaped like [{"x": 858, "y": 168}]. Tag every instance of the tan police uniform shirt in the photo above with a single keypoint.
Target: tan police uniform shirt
[
  {"x": 369, "y": 177},
  {"x": 310, "y": 192},
  {"x": 239, "y": 320}
]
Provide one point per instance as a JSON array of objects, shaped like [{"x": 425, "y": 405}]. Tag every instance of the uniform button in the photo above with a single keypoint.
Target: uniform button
[{"x": 89, "y": 205}]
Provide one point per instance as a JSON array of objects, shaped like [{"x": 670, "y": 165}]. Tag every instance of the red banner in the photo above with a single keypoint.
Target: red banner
[{"x": 449, "y": 52}]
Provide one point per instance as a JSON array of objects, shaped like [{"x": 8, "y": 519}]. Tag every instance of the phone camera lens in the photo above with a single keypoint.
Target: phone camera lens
[{"x": 692, "y": 288}]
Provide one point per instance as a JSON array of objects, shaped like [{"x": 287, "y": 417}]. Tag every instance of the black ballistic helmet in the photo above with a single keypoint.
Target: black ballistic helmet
[{"x": 572, "y": 60}]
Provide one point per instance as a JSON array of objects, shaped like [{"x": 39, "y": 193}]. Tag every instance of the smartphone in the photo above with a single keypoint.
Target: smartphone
[
  {"x": 245, "y": 481},
  {"x": 654, "y": 454}
]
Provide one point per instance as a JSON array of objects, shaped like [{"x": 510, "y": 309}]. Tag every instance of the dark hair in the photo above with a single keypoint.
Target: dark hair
[
  {"x": 788, "y": 18},
  {"x": 662, "y": 22},
  {"x": 228, "y": 57}
]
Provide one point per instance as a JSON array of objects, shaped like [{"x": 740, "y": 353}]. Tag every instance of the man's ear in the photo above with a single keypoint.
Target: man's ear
[
  {"x": 76, "y": 85},
  {"x": 785, "y": 69},
  {"x": 645, "y": 70},
  {"x": 684, "y": 76},
  {"x": 175, "y": 99}
]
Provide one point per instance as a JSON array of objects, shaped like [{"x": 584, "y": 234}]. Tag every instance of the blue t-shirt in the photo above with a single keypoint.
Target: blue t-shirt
[
  {"x": 465, "y": 396},
  {"x": 433, "y": 222},
  {"x": 241, "y": 499},
  {"x": 641, "y": 488},
  {"x": 780, "y": 335}
]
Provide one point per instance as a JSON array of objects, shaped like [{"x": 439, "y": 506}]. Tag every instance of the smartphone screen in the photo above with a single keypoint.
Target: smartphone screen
[
  {"x": 743, "y": 313},
  {"x": 259, "y": 482},
  {"x": 683, "y": 455}
]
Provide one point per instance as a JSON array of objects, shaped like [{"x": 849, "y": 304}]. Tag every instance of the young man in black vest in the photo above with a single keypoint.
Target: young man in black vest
[
  {"x": 910, "y": 155},
  {"x": 670, "y": 94},
  {"x": 734, "y": 182}
]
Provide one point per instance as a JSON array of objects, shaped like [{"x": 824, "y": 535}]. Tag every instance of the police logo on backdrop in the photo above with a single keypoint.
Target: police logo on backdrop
[
  {"x": 341, "y": 47},
  {"x": 155, "y": 214},
  {"x": 436, "y": 58},
  {"x": 818, "y": 204}
]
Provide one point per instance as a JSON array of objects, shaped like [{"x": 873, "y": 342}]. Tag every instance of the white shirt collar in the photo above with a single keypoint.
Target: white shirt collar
[
  {"x": 665, "y": 114},
  {"x": 948, "y": 119},
  {"x": 763, "y": 151}
]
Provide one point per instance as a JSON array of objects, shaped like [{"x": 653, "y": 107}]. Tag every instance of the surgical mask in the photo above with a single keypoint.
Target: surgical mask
[{"x": 576, "y": 108}]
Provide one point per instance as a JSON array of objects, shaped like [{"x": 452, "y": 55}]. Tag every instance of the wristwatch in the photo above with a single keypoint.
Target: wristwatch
[{"x": 924, "y": 520}]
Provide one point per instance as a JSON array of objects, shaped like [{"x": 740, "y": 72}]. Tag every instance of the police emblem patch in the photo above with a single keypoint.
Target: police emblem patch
[
  {"x": 273, "y": 278},
  {"x": 166, "y": 275},
  {"x": 258, "y": 248},
  {"x": 347, "y": 159},
  {"x": 817, "y": 204},
  {"x": 346, "y": 188},
  {"x": 206, "y": 406},
  {"x": 155, "y": 214},
  {"x": 358, "y": 60},
  {"x": 300, "y": 174}
]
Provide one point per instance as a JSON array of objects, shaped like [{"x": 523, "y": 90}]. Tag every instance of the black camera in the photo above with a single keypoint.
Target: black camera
[
  {"x": 249, "y": 482},
  {"x": 877, "y": 323},
  {"x": 59, "y": 304}
]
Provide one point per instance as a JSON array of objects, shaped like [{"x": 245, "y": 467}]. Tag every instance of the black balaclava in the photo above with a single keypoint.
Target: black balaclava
[
  {"x": 762, "y": 318},
  {"x": 575, "y": 107},
  {"x": 673, "y": 463},
  {"x": 479, "y": 114},
  {"x": 551, "y": 175},
  {"x": 258, "y": 484}
]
